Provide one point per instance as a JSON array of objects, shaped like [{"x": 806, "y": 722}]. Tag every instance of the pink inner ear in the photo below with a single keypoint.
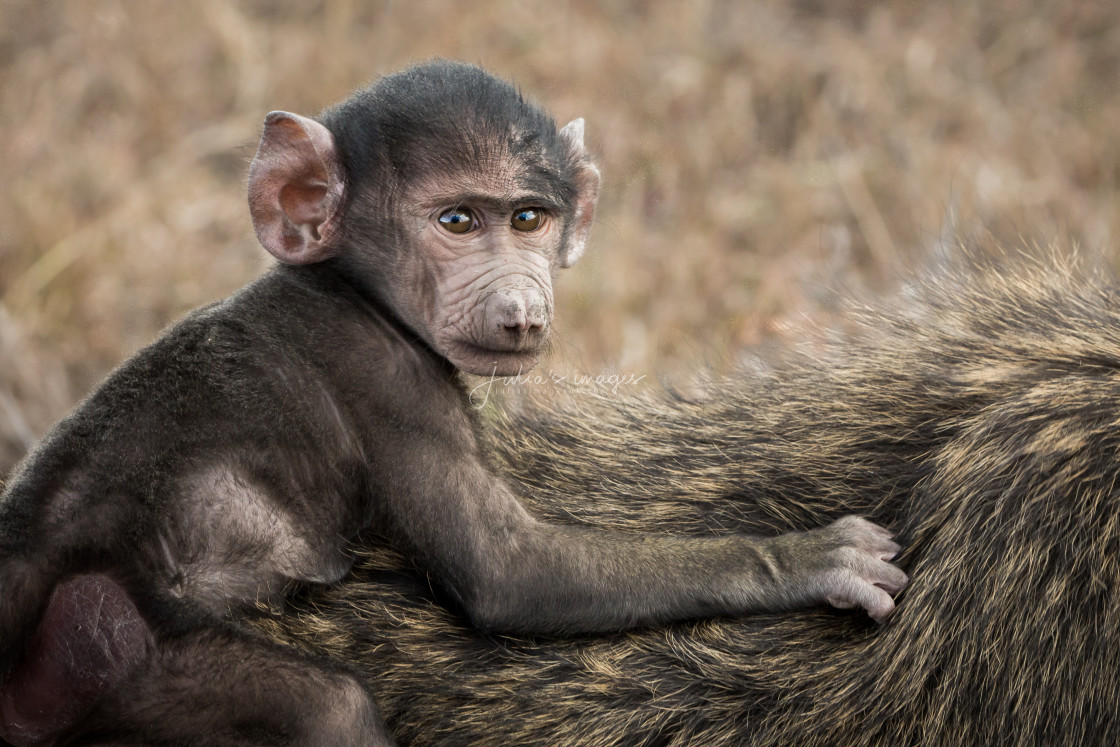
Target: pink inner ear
[
  {"x": 295, "y": 189},
  {"x": 588, "y": 183},
  {"x": 303, "y": 203}
]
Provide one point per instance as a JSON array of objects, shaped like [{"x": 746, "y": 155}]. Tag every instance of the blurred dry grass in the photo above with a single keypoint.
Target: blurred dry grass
[{"x": 757, "y": 155}]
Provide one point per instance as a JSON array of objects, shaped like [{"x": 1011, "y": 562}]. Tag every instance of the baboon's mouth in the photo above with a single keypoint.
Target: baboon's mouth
[{"x": 487, "y": 361}]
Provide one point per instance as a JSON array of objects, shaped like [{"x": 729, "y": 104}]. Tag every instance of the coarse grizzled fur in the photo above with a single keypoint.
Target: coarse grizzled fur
[{"x": 978, "y": 416}]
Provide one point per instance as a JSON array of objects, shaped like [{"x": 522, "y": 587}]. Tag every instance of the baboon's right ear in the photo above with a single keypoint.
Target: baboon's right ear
[
  {"x": 587, "y": 184},
  {"x": 296, "y": 186}
]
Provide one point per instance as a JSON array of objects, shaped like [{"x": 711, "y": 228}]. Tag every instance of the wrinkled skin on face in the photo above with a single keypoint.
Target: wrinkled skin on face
[
  {"x": 480, "y": 249},
  {"x": 491, "y": 285}
]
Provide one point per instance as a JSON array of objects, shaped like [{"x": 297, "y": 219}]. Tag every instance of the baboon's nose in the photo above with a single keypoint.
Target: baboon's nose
[{"x": 518, "y": 310}]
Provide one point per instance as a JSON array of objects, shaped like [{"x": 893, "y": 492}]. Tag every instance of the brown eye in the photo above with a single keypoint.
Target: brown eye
[
  {"x": 527, "y": 219},
  {"x": 458, "y": 220}
]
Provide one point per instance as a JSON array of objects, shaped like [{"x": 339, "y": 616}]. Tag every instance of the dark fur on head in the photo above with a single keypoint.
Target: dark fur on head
[
  {"x": 440, "y": 128},
  {"x": 386, "y": 132}
]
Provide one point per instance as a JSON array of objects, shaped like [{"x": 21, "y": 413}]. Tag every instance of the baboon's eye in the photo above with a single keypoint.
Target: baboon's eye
[
  {"x": 527, "y": 219},
  {"x": 458, "y": 220}
]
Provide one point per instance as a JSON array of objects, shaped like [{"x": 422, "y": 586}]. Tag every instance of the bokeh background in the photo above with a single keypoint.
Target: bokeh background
[{"x": 762, "y": 158}]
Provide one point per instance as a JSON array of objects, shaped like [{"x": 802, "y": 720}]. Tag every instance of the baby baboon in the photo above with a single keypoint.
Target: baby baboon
[{"x": 418, "y": 226}]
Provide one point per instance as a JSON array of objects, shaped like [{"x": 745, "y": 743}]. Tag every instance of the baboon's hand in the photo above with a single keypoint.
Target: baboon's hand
[{"x": 856, "y": 567}]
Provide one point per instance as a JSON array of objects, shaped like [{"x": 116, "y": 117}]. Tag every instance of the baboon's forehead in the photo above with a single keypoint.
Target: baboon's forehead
[{"x": 514, "y": 163}]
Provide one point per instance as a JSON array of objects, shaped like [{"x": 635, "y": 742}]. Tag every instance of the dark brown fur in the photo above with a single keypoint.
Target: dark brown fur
[
  {"x": 418, "y": 226},
  {"x": 980, "y": 416}
]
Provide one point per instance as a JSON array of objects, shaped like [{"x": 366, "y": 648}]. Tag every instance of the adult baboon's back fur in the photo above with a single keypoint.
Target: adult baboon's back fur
[{"x": 979, "y": 418}]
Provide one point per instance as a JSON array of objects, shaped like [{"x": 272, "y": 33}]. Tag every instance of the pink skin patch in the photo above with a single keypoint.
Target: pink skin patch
[{"x": 90, "y": 638}]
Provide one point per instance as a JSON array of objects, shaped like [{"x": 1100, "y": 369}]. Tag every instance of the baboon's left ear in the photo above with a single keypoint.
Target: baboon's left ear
[
  {"x": 296, "y": 186},
  {"x": 587, "y": 182}
]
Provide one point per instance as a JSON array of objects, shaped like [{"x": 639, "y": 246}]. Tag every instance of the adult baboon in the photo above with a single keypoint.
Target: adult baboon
[{"x": 978, "y": 413}]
